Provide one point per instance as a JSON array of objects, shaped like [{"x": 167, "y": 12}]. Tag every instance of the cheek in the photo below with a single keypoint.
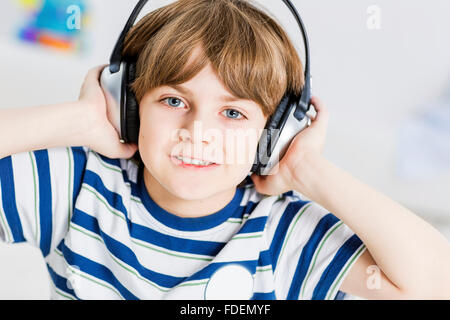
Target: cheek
[
  {"x": 153, "y": 137},
  {"x": 240, "y": 148}
]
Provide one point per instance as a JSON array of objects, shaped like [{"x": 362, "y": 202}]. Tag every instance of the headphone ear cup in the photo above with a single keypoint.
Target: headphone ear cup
[
  {"x": 262, "y": 155},
  {"x": 132, "y": 106}
]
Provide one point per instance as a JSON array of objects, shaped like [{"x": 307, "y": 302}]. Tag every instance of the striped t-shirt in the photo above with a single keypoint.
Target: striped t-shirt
[{"x": 103, "y": 237}]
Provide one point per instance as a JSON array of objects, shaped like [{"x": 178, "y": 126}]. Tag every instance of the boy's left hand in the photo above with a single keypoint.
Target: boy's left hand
[{"x": 309, "y": 141}]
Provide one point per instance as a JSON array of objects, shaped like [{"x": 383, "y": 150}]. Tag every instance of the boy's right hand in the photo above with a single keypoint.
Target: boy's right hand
[{"x": 101, "y": 137}]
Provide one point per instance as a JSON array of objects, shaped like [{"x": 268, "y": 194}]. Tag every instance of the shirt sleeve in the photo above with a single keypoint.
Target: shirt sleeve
[
  {"x": 312, "y": 251},
  {"x": 38, "y": 190}
]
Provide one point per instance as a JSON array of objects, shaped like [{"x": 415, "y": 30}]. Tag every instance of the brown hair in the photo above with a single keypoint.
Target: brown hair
[{"x": 250, "y": 52}]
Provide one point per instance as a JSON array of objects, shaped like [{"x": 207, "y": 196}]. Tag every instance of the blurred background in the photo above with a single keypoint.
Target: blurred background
[{"x": 382, "y": 68}]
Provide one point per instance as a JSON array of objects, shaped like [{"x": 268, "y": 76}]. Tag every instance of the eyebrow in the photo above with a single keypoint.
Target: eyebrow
[{"x": 184, "y": 90}]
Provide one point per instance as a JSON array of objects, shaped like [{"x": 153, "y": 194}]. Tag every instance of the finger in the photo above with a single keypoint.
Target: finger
[
  {"x": 127, "y": 150},
  {"x": 260, "y": 183},
  {"x": 318, "y": 104},
  {"x": 92, "y": 79},
  {"x": 94, "y": 73},
  {"x": 322, "y": 114}
]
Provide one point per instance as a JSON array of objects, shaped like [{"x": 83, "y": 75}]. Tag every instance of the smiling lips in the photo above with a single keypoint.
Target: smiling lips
[
  {"x": 194, "y": 161},
  {"x": 182, "y": 164}
]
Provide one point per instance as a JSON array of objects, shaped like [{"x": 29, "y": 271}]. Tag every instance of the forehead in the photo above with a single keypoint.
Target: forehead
[
  {"x": 207, "y": 83},
  {"x": 205, "y": 79},
  {"x": 186, "y": 90}
]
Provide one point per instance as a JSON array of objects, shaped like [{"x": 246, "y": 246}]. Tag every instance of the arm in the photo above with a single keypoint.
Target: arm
[
  {"x": 413, "y": 256},
  {"x": 80, "y": 123},
  {"x": 36, "y": 128}
]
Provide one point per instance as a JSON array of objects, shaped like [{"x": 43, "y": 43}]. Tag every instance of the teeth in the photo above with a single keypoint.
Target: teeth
[{"x": 194, "y": 161}]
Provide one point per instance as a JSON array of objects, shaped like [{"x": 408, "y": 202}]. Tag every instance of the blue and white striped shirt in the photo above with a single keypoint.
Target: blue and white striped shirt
[{"x": 103, "y": 237}]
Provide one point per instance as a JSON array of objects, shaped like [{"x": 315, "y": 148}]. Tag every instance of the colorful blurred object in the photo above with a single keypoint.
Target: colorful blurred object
[
  {"x": 30, "y": 4},
  {"x": 55, "y": 23}
]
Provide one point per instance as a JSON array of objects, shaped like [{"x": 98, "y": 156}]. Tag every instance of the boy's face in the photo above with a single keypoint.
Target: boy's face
[{"x": 196, "y": 121}]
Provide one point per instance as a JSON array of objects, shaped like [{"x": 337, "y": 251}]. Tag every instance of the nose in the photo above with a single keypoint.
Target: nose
[
  {"x": 199, "y": 137},
  {"x": 195, "y": 139},
  {"x": 198, "y": 125},
  {"x": 194, "y": 132}
]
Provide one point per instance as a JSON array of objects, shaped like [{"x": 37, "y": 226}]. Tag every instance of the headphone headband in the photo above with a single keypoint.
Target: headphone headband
[{"x": 116, "y": 56}]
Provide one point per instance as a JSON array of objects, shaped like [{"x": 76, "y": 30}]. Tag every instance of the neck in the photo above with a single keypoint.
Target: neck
[{"x": 185, "y": 208}]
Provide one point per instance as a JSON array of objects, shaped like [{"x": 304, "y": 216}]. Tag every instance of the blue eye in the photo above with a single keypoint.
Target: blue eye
[
  {"x": 172, "y": 99},
  {"x": 234, "y": 114}
]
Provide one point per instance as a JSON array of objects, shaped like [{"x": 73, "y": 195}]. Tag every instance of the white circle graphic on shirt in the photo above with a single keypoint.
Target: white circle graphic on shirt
[
  {"x": 230, "y": 282},
  {"x": 73, "y": 277}
]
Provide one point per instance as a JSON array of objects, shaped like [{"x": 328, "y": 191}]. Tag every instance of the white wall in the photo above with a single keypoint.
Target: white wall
[{"x": 371, "y": 80}]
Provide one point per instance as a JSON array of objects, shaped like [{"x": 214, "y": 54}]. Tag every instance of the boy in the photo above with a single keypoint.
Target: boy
[{"x": 159, "y": 227}]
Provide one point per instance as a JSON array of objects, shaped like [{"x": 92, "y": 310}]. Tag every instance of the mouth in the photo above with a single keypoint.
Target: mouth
[{"x": 191, "y": 163}]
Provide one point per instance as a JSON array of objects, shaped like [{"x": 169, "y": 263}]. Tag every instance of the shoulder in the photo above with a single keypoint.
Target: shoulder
[
  {"x": 79, "y": 160},
  {"x": 56, "y": 154},
  {"x": 286, "y": 205},
  {"x": 121, "y": 169},
  {"x": 289, "y": 205},
  {"x": 292, "y": 208},
  {"x": 310, "y": 247},
  {"x": 107, "y": 185}
]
